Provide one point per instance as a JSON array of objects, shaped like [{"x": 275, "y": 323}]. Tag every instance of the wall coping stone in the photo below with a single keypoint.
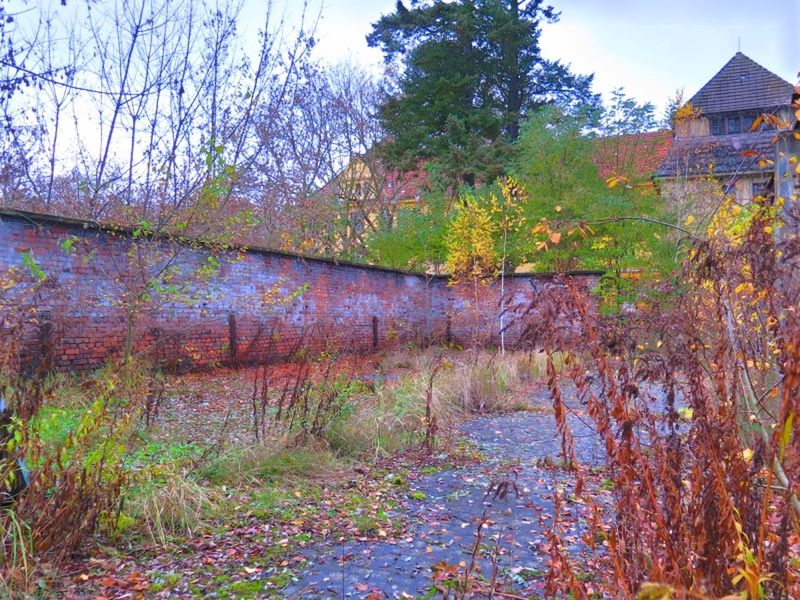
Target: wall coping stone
[{"x": 42, "y": 219}]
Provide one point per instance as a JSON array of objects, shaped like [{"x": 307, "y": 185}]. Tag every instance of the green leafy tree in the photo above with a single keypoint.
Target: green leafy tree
[
  {"x": 674, "y": 103},
  {"x": 416, "y": 242},
  {"x": 584, "y": 223},
  {"x": 472, "y": 71},
  {"x": 624, "y": 116}
]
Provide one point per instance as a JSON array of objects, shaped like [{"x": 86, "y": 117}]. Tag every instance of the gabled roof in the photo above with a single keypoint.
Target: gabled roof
[
  {"x": 742, "y": 84},
  {"x": 394, "y": 185}
]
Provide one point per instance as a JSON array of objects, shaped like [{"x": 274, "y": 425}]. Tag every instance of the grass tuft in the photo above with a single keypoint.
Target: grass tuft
[
  {"x": 171, "y": 504},
  {"x": 264, "y": 463}
]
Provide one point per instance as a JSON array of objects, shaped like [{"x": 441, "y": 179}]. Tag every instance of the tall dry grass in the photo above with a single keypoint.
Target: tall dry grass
[{"x": 455, "y": 384}]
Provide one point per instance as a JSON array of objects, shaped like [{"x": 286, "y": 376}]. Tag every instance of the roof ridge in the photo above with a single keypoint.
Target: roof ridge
[
  {"x": 714, "y": 76},
  {"x": 760, "y": 66},
  {"x": 742, "y": 84}
]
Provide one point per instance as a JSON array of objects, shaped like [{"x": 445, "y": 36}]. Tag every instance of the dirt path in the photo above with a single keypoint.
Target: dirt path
[{"x": 523, "y": 455}]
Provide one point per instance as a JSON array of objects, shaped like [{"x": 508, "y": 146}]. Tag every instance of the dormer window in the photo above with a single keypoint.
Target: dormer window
[{"x": 733, "y": 122}]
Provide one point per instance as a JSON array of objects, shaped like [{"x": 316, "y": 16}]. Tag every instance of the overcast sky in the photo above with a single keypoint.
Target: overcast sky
[{"x": 649, "y": 47}]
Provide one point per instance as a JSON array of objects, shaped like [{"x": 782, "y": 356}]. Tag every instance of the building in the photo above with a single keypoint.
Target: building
[
  {"x": 725, "y": 137},
  {"x": 372, "y": 193}
]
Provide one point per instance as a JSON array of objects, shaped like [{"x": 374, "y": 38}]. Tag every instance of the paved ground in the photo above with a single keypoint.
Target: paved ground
[{"x": 523, "y": 448}]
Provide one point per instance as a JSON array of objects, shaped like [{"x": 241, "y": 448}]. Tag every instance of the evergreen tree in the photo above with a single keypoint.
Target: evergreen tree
[{"x": 472, "y": 70}]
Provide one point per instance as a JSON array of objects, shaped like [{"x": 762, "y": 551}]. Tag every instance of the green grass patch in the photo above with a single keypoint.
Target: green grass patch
[
  {"x": 261, "y": 463},
  {"x": 162, "y": 452},
  {"x": 245, "y": 589},
  {"x": 54, "y": 423}
]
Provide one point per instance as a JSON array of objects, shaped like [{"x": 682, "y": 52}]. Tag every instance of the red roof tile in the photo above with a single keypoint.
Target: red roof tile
[{"x": 635, "y": 156}]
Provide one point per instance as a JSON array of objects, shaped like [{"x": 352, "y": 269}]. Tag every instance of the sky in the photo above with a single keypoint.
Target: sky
[{"x": 651, "y": 48}]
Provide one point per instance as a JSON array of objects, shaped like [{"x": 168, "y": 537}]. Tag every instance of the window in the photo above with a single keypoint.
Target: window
[
  {"x": 733, "y": 123},
  {"x": 357, "y": 225},
  {"x": 760, "y": 188}
]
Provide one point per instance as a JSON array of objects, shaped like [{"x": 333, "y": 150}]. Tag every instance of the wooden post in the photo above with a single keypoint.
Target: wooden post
[
  {"x": 47, "y": 345},
  {"x": 233, "y": 342},
  {"x": 374, "y": 332},
  {"x": 447, "y": 332}
]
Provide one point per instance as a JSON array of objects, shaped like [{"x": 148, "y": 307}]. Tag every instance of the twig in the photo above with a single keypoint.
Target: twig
[
  {"x": 643, "y": 219},
  {"x": 752, "y": 404}
]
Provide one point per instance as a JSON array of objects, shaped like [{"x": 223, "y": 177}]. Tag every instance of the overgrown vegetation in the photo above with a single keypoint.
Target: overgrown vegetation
[
  {"x": 552, "y": 211},
  {"x": 694, "y": 397},
  {"x": 100, "y": 468},
  {"x": 135, "y": 481}
]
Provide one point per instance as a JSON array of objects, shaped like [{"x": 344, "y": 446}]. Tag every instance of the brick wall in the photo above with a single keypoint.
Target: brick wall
[{"x": 249, "y": 305}]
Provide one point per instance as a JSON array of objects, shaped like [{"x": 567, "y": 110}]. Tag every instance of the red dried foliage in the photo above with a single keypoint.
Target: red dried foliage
[{"x": 695, "y": 397}]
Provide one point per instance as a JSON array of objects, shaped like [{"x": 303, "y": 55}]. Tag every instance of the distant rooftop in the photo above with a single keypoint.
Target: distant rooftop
[
  {"x": 718, "y": 155},
  {"x": 635, "y": 155},
  {"x": 742, "y": 84}
]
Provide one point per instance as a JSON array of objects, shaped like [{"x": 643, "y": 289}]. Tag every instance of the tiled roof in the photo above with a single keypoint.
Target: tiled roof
[
  {"x": 408, "y": 185},
  {"x": 717, "y": 155},
  {"x": 742, "y": 84},
  {"x": 636, "y": 156}
]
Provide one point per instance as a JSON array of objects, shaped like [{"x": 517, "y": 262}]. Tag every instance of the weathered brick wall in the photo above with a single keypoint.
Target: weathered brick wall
[
  {"x": 253, "y": 305},
  {"x": 472, "y": 312}
]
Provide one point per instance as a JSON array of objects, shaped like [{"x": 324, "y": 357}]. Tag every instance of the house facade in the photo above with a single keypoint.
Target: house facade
[
  {"x": 372, "y": 193},
  {"x": 725, "y": 137}
]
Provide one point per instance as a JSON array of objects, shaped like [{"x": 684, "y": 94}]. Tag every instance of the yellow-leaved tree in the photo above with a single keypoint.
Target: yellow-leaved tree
[
  {"x": 509, "y": 209},
  {"x": 471, "y": 253}
]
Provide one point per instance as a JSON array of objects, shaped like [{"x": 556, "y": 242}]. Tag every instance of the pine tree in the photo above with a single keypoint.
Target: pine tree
[{"x": 472, "y": 70}]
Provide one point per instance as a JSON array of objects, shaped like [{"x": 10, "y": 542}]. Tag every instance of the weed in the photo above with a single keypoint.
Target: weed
[
  {"x": 16, "y": 553},
  {"x": 431, "y": 469},
  {"x": 699, "y": 429},
  {"x": 163, "y": 582},
  {"x": 247, "y": 589},
  {"x": 262, "y": 463},
  {"x": 397, "y": 480},
  {"x": 170, "y": 504},
  {"x": 366, "y": 525}
]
